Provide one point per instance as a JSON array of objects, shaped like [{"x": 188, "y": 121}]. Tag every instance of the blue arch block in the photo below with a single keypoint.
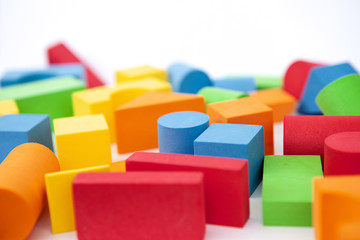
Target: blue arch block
[
  {"x": 57, "y": 70},
  {"x": 244, "y": 84},
  {"x": 186, "y": 79},
  {"x": 177, "y": 131},
  {"x": 235, "y": 141},
  {"x": 319, "y": 78},
  {"x": 16, "y": 129}
]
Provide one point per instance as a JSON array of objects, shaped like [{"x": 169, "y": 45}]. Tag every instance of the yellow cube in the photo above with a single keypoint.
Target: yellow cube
[
  {"x": 8, "y": 107},
  {"x": 82, "y": 141},
  {"x": 140, "y": 72},
  {"x": 104, "y": 100},
  {"x": 60, "y": 197}
]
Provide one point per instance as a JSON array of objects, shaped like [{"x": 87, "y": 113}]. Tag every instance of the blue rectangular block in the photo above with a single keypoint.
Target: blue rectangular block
[
  {"x": 235, "y": 141},
  {"x": 16, "y": 129},
  {"x": 57, "y": 70},
  {"x": 319, "y": 78},
  {"x": 244, "y": 84}
]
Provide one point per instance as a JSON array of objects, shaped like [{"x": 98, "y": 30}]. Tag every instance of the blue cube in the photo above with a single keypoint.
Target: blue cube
[
  {"x": 16, "y": 129},
  {"x": 319, "y": 78},
  {"x": 235, "y": 141}
]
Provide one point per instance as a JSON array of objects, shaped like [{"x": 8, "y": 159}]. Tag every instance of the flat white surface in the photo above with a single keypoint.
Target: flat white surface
[{"x": 220, "y": 36}]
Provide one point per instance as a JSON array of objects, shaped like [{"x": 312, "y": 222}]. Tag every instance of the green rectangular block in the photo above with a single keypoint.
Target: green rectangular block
[
  {"x": 287, "y": 189},
  {"x": 264, "y": 82},
  {"x": 51, "y": 96}
]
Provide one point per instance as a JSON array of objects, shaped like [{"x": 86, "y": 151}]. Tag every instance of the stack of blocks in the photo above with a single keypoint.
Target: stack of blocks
[{"x": 215, "y": 142}]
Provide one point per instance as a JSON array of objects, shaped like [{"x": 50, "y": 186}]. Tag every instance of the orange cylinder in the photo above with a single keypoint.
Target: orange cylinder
[{"x": 22, "y": 188}]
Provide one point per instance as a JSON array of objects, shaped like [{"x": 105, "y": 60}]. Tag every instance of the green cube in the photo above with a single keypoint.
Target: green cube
[
  {"x": 51, "y": 96},
  {"x": 287, "y": 189}
]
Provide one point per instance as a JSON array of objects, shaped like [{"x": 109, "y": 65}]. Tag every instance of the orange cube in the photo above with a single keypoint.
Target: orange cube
[
  {"x": 245, "y": 111},
  {"x": 136, "y": 121},
  {"x": 281, "y": 102},
  {"x": 336, "y": 212}
]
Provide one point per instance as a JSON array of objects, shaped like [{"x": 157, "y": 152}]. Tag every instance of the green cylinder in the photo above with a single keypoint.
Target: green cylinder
[
  {"x": 213, "y": 94},
  {"x": 341, "y": 97}
]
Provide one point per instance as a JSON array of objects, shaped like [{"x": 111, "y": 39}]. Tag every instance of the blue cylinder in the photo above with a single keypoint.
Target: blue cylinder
[{"x": 178, "y": 130}]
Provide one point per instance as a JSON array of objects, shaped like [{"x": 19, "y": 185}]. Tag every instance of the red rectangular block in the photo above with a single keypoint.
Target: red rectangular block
[
  {"x": 139, "y": 205},
  {"x": 225, "y": 181},
  {"x": 305, "y": 135}
]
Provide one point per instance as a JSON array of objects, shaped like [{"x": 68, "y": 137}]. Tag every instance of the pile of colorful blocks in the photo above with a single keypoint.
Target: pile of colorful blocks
[{"x": 214, "y": 145}]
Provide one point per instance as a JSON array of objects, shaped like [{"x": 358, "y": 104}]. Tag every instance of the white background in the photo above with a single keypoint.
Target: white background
[{"x": 222, "y": 37}]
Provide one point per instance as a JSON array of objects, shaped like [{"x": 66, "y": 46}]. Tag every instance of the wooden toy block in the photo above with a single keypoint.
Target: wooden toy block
[
  {"x": 318, "y": 79},
  {"x": 341, "y": 97},
  {"x": 57, "y": 70},
  {"x": 60, "y": 197},
  {"x": 305, "y": 135},
  {"x": 8, "y": 107},
  {"x": 214, "y": 94},
  {"x": 139, "y": 205},
  {"x": 225, "y": 182},
  {"x": 177, "y": 131},
  {"x": 119, "y": 166},
  {"x": 136, "y": 121},
  {"x": 280, "y": 101},
  {"x": 140, "y": 72},
  {"x": 104, "y": 100},
  {"x": 336, "y": 212},
  {"x": 296, "y": 77},
  {"x": 243, "y": 84},
  {"x": 187, "y": 79},
  {"x": 342, "y": 154},
  {"x": 286, "y": 193},
  {"x": 22, "y": 188},
  {"x": 245, "y": 111},
  {"x": 82, "y": 141},
  {"x": 16, "y": 129},
  {"x": 60, "y": 53},
  {"x": 51, "y": 96},
  {"x": 265, "y": 82},
  {"x": 235, "y": 141}
]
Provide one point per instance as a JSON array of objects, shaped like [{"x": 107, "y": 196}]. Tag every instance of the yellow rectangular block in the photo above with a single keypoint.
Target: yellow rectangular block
[
  {"x": 8, "y": 107},
  {"x": 60, "y": 198},
  {"x": 82, "y": 141},
  {"x": 104, "y": 100},
  {"x": 140, "y": 72}
]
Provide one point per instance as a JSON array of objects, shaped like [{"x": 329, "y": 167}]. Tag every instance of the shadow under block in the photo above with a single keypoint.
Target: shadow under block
[
  {"x": 111, "y": 205},
  {"x": 53, "y": 71},
  {"x": 287, "y": 189},
  {"x": 245, "y": 111},
  {"x": 82, "y": 142},
  {"x": 336, "y": 212},
  {"x": 60, "y": 197},
  {"x": 265, "y": 82},
  {"x": 243, "y": 84},
  {"x": 16, "y": 129},
  {"x": 51, "y": 96},
  {"x": 177, "y": 131},
  {"x": 104, "y": 100},
  {"x": 140, "y": 72},
  {"x": 318, "y": 79},
  {"x": 214, "y": 94},
  {"x": 235, "y": 141},
  {"x": 342, "y": 154},
  {"x": 22, "y": 188},
  {"x": 296, "y": 77},
  {"x": 187, "y": 79},
  {"x": 341, "y": 97},
  {"x": 280, "y": 101},
  {"x": 136, "y": 121},
  {"x": 305, "y": 135},
  {"x": 60, "y": 53},
  {"x": 8, "y": 107},
  {"x": 225, "y": 182}
]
